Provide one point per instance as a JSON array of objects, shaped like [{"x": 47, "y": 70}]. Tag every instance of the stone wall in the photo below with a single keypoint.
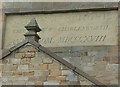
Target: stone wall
[
  {"x": 100, "y": 62},
  {"x": 27, "y": 66}
]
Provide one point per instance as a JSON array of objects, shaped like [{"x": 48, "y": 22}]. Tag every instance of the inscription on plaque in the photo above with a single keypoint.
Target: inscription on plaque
[{"x": 66, "y": 29}]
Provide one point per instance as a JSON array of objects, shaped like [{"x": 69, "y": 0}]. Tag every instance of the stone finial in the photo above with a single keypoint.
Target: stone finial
[{"x": 32, "y": 28}]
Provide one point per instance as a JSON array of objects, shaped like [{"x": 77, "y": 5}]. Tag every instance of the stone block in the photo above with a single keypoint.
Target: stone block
[
  {"x": 7, "y": 83},
  {"x": 112, "y": 67},
  {"x": 5, "y": 74},
  {"x": 30, "y": 83},
  {"x": 39, "y": 83},
  {"x": 66, "y": 72},
  {"x": 46, "y": 72},
  {"x": 5, "y": 61},
  {"x": 19, "y": 55},
  {"x": 92, "y": 53},
  {"x": 14, "y": 67},
  {"x": 30, "y": 73},
  {"x": 72, "y": 77},
  {"x": 107, "y": 58},
  {"x": 21, "y": 78},
  {"x": 25, "y": 61},
  {"x": 33, "y": 78},
  {"x": 27, "y": 48},
  {"x": 74, "y": 83},
  {"x": 55, "y": 72},
  {"x": 85, "y": 83},
  {"x": 61, "y": 78},
  {"x": 25, "y": 55},
  {"x": 51, "y": 78},
  {"x": 42, "y": 78},
  {"x": 40, "y": 54},
  {"x": 65, "y": 83},
  {"x": 52, "y": 83},
  {"x": 54, "y": 66},
  {"x": 37, "y": 60},
  {"x": 47, "y": 60},
  {"x": 4, "y": 79},
  {"x": 15, "y": 61},
  {"x": 34, "y": 66},
  {"x": 38, "y": 73},
  {"x": 6, "y": 67},
  {"x": 88, "y": 68},
  {"x": 64, "y": 67},
  {"x": 114, "y": 60},
  {"x": 43, "y": 66},
  {"x": 17, "y": 73},
  {"x": 29, "y": 55},
  {"x": 18, "y": 82},
  {"x": 114, "y": 82},
  {"x": 100, "y": 66},
  {"x": 23, "y": 68},
  {"x": 91, "y": 73}
]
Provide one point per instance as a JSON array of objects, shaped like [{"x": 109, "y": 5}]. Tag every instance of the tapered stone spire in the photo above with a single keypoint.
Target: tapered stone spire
[{"x": 32, "y": 28}]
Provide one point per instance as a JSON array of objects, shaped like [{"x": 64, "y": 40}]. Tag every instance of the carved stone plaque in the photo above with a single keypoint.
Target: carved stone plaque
[{"x": 66, "y": 29}]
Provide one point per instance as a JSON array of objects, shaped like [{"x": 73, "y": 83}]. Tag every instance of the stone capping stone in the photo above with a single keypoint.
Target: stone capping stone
[
  {"x": 9, "y": 51},
  {"x": 55, "y": 7}
]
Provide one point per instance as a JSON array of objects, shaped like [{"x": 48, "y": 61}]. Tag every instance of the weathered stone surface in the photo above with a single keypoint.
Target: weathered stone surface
[
  {"x": 29, "y": 55},
  {"x": 38, "y": 73},
  {"x": 14, "y": 67},
  {"x": 18, "y": 73},
  {"x": 5, "y": 61},
  {"x": 66, "y": 72},
  {"x": 54, "y": 66},
  {"x": 46, "y": 72},
  {"x": 34, "y": 66},
  {"x": 47, "y": 60},
  {"x": 30, "y": 83},
  {"x": 75, "y": 30},
  {"x": 63, "y": 67},
  {"x": 25, "y": 55},
  {"x": 7, "y": 83},
  {"x": 23, "y": 67},
  {"x": 19, "y": 55},
  {"x": 51, "y": 78},
  {"x": 27, "y": 48},
  {"x": 6, "y": 67},
  {"x": 61, "y": 78},
  {"x": 100, "y": 66},
  {"x": 5, "y": 74},
  {"x": 15, "y": 61},
  {"x": 25, "y": 61},
  {"x": 30, "y": 73},
  {"x": 51, "y": 83},
  {"x": 18, "y": 82},
  {"x": 72, "y": 77},
  {"x": 43, "y": 66},
  {"x": 74, "y": 83},
  {"x": 55, "y": 72},
  {"x": 65, "y": 83},
  {"x": 85, "y": 83},
  {"x": 39, "y": 83}
]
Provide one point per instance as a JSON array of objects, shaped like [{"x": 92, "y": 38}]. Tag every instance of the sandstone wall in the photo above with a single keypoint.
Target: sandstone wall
[{"x": 27, "y": 66}]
